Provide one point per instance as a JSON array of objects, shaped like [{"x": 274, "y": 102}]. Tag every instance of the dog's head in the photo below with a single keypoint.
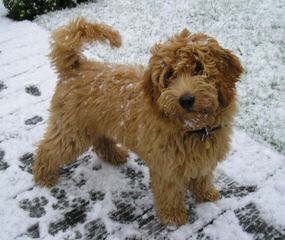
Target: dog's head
[{"x": 190, "y": 77}]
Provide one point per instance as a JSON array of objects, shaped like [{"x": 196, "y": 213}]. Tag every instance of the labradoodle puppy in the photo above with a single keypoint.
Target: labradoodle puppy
[{"x": 176, "y": 113}]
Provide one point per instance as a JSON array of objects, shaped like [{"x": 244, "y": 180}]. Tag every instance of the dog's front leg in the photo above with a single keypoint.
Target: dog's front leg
[
  {"x": 203, "y": 189},
  {"x": 169, "y": 196}
]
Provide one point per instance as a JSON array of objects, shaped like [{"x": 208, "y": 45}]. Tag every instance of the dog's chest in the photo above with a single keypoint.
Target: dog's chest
[{"x": 203, "y": 154}]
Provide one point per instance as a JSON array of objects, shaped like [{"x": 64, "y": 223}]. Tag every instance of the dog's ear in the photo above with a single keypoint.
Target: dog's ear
[
  {"x": 152, "y": 75},
  {"x": 150, "y": 88},
  {"x": 231, "y": 69},
  {"x": 185, "y": 33},
  {"x": 182, "y": 36},
  {"x": 234, "y": 66}
]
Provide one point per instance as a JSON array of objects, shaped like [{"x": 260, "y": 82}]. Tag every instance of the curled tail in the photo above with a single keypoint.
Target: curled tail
[{"x": 67, "y": 42}]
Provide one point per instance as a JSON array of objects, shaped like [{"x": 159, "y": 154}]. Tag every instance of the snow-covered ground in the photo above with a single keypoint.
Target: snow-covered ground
[{"x": 97, "y": 201}]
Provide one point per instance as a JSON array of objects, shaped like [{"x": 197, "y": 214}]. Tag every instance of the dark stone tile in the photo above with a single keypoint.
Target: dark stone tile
[
  {"x": 132, "y": 195},
  {"x": 193, "y": 217},
  {"x": 96, "y": 195},
  {"x": 34, "y": 120},
  {"x": 152, "y": 227},
  {"x": 202, "y": 236},
  {"x": 60, "y": 195},
  {"x": 79, "y": 202},
  {"x": 251, "y": 221},
  {"x": 80, "y": 180},
  {"x": 140, "y": 162},
  {"x": 146, "y": 220},
  {"x": 2, "y": 154},
  {"x": 133, "y": 237},
  {"x": 125, "y": 212},
  {"x": 2, "y": 86},
  {"x": 132, "y": 173},
  {"x": 97, "y": 167},
  {"x": 33, "y": 90},
  {"x": 95, "y": 229},
  {"x": 55, "y": 227},
  {"x": 33, "y": 231},
  {"x": 71, "y": 218},
  {"x": 3, "y": 165},
  {"x": 68, "y": 170},
  {"x": 230, "y": 188},
  {"x": 237, "y": 191},
  {"x": 76, "y": 215},
  {"x": 35, "y": 207},
  {"x": 78, "y": 235},
  {"x": 27, "y": 161}
]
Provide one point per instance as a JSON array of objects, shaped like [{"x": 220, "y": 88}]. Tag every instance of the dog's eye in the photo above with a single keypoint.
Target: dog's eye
[
  {"x": 170, "y": 74},
  {"x": 199, "y": 68}
]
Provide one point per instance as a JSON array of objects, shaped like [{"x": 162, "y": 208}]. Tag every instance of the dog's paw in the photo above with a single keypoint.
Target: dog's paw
[
  {"x": 210, "y": 195},
  {"x": 120, "y": 156},
  {"x": 174, "y": 216},
  {"x": 46, "y": 178}
]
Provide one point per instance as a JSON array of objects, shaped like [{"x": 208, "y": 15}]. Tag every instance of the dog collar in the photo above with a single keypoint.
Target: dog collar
[
  {"x": 206, "y": 134},
  {"x": 206, "y": 131}
]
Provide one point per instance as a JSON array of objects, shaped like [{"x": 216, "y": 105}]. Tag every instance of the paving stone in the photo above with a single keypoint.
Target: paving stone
[
  {"x": 33, "y": 231},
  {"x": 132, "y": 195},
  {"x": 230, "y": 188},
  {"x": 95, "y": 229},
  {"x": 68, "y": 170},
  {"x": 33, "y": 90},
  {"x": 125, "y": 212},
  {"x": 34, "y": 120},
  {"x": 202, "y": 236},
  {"x": 2, "y": 154},
  {"x": 134, "y": 237},
  {"x": 132, "y": 174},
  {"x": 60, "y": 195},
  {"x": 96, "y": 195},
  {"x": 152, "y": 227},
  {"x": 27, "y": 161},
  {"x": 80, "y": 180},
  {"x": 140, "y": 162},
  {"x": 251, "y": 221},
  {"x": 97, "y": 167},
  {"x": 35, "y": 207},
  {"x": 2, "y": 86},
  {"x": 79, "y": 202},
  {"x": 78, "y": 235},
  {"x": 71, "y": 218},
  {"x": 3, "y": 165},
  {"x": 193, "y": 217}
]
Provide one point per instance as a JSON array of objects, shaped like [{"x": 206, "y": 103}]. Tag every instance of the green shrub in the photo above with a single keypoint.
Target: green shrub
[{"x": 27, "y": 9}]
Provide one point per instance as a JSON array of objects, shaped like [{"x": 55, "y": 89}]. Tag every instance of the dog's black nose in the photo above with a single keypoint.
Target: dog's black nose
[{"x": 187, "y": 101}]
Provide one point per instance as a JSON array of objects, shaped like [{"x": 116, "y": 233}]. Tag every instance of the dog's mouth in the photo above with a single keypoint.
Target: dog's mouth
[
  {"x": 196, "y": 119},
  {"x": 204, "y": 112}
]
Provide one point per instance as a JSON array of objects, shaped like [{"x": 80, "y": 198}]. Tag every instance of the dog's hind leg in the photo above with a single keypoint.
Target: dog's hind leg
[
  {"x": 108, "y": 151},
  {"x": 55, "y": 150}
]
